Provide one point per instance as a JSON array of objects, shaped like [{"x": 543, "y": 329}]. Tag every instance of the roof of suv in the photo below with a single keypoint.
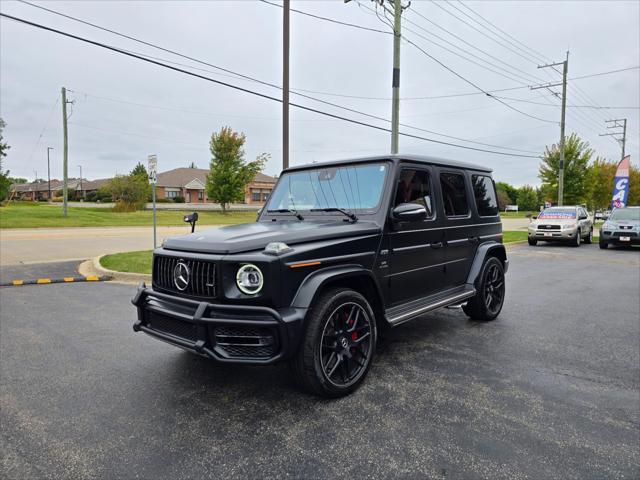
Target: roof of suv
[{"x": 410, "y": 158}]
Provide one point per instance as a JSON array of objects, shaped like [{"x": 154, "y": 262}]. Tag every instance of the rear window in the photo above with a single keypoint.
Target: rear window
[
  {"x": 485, "y": 196},
  {"x": 454, "y": 194}
]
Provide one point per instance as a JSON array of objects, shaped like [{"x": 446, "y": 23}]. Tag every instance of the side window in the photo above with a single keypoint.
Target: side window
[
  {"x": 454, "y": 194},
  {"x": 414, "y": 187},
  {"x": 485, "y": 195}
]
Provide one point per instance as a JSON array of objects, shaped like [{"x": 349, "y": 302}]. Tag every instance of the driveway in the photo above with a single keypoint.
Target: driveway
[{"x": 548, "y": 390}]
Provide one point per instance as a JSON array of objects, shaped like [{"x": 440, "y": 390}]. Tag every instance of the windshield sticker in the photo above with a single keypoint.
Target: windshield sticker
[{"x": 558, "y": 215}]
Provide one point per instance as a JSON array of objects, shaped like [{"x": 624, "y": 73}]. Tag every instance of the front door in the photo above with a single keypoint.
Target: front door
[{"x": 415, "y": 249}]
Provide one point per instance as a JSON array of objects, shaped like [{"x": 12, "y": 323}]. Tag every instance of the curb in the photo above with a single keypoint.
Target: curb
[
  {"x": 93, "y": 267},
  {"x": 46, "y": 281}
]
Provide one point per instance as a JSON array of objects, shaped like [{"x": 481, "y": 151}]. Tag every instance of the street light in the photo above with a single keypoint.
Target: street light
[{"x": 49, "y": 173}]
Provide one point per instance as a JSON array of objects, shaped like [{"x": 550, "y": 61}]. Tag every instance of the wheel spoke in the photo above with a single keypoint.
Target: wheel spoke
[
  {"x": 338, "y": 362},
  {"x": 355, "y": 320},
  {"x": 359, "y": 340}
]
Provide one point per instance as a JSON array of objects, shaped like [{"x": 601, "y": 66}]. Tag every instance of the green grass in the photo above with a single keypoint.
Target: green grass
[
  {"x": 140, "y": 262},
  {"x": 522, "y": 214},
  {"x": 513, "y": 236},
  {"x": 19, "y": 215},
  {"x": 132, "y": 262}
]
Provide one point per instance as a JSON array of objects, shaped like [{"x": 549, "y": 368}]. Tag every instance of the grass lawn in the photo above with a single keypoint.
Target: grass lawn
[
  {"x": 33, "y": 215},
  {"x": 133, "y": 262},
  {"x": 140, "y": 262},
  {"x": 522, "y": 214}
]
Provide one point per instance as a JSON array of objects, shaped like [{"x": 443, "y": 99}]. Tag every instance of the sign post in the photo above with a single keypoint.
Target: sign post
[{"x": 153, "y": 179}]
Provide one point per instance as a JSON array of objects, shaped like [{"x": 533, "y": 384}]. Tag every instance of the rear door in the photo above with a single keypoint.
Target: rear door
[
  {"x": 460, "y": 238},
  {"x": 416, "y": 253}
]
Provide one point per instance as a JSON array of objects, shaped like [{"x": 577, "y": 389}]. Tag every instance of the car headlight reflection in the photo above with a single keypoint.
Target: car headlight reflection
[{"x": 249, "y": 279}]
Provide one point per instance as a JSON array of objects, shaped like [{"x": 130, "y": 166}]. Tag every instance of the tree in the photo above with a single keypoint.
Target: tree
[
  {"x": 5, "y": 182},
  {"x": 130, "y": 192},
  {"x": 18, "y": 180},
  {"x": 192, "y": 165},
  {"x": 527, "y": 198},
  {"x": 503, "y": 199},
  {"x": 510, "y": 190},
  {"x": 228, "y": 173},
  {"x": 140, "y": 171},
  {"x": 577, "y": 155},
  {"x": 600, "y": 176}
]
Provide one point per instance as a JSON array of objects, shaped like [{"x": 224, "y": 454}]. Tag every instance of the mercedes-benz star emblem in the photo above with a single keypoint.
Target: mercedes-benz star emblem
[{"x": 181, "y": 276}]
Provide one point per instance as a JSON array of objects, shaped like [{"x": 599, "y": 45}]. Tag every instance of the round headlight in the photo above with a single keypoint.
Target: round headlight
[{"x": 249, "y": 279}]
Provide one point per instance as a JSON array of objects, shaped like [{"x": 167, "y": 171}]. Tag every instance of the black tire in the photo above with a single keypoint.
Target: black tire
[
  {"x": 575, "y": 241},
  {"x": 487, "y": 303},
  {"x": 588, "y": 240},
  {"x": 338, "y": 346},
  {"x": 603, "y": 244},
  {"x": 532, "y": 241}
]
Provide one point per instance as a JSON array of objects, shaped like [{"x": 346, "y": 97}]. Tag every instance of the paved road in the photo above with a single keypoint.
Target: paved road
[
  {"x": 36, "y": 245},
  {"x": 54, "y": 270},
  {"x": 549, "y": 390}
]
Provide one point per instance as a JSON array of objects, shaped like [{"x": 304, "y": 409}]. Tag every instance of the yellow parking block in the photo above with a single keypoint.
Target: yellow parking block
[
  {"x": 69, "y": 279},
  {"x": 43, "y": 280},
  {"x": 18, "y": 282},
  {"x": 92, "y": 278}
]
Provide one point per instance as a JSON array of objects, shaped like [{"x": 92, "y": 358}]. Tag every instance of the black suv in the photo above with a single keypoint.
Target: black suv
[{"x": 341, "y": 252}]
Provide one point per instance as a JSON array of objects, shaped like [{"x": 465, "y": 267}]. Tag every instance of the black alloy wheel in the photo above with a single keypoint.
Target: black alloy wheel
[
  {"x": 490, "y": 292},
  {"x": 338, "y": 345},
  {"x": 589, "y": 238}
]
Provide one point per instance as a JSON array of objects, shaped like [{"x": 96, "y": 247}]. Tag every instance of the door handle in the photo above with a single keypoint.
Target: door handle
[
  {"x": 436, "y": 245},
  {"x": 474, "y": 239}
]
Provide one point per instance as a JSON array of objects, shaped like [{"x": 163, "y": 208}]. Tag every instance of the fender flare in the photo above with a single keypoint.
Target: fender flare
[
  {"x": 315, "y": 281},
  {"x": 488, "y": 249}
]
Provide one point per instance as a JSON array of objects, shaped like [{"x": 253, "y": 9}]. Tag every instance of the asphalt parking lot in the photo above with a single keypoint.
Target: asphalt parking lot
[{"x": 551, "y": 389}]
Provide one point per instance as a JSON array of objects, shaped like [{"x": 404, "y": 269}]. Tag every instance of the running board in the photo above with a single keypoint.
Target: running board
[{"x": 404, "y": 313}]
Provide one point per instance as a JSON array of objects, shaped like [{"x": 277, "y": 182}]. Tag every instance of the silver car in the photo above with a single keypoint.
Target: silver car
[
  {"x": 621, "y": 228},
  {"x": 561, "y": 224}
]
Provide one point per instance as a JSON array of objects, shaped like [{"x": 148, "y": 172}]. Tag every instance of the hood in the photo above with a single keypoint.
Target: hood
[{"x": 255, "y": 236}]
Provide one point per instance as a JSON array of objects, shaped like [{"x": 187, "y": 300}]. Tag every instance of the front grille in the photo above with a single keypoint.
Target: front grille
[
  {"x": 172, "y": 326},
  {"x": 625, "y": 234},
  {"x": 202, "y": 276},
  {"x": 548, "y": 227},
  {"x": 626, "y": 227},
  {"x": 245, "y": 341}
]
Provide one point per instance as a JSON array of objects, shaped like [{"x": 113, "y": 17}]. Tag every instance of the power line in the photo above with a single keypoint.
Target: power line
[
  {"x": 245, "y": 90},
  {"x": 241, "y": 75},
  {"x": 44, "y": 128}
]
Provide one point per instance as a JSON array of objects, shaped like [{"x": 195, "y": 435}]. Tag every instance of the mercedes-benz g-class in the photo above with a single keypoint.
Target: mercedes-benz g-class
[{"x": 341, "y": 252}]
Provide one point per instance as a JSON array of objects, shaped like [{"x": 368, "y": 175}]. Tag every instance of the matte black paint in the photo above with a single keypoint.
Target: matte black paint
[{"x": 405, "y": 262}]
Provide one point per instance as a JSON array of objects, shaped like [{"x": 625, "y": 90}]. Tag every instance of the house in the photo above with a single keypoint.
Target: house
[
  {"x": 190, "y": 184},
  {"x": 76, "y": 189}
]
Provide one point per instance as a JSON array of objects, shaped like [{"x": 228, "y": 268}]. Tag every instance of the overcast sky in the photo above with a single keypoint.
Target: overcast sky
[{"x": 176, "y": 114}]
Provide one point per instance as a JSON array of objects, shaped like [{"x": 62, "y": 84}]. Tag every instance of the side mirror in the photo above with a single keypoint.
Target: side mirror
[
  {"x": 582, "y": 217},
  {"x": 535, "y": 217},
  {"x": 409, "y": 212},
  {"x": 192, "y": 219},
  {"x": 528, "y": 215}
]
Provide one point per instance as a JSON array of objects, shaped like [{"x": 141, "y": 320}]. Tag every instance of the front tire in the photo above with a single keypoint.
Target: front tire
[
  {"x": 603, "y": 244},
  {"x": 338, "y": 344},
  {"x": 487, "y": 303},
  {"x": 575, "y": 241},
  {"x": 532, "y": 241}
]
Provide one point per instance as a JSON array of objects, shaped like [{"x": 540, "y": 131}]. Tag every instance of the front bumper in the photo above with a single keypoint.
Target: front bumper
[
  {"x": 616, "y": 237},
  {"x": 225, "y": 333},
  {"x": 553, "y": 235}
]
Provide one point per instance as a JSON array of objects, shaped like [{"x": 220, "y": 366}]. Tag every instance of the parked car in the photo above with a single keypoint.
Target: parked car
[
  {"x": 621, "y": 228},
  {"x": 561, "y": 224},
  {"x": 341, "y": 252},
  {"x": 602, "y": 214}
]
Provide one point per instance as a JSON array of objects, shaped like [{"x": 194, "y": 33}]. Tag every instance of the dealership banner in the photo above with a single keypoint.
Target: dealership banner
[{"x": 621, "y": 184}]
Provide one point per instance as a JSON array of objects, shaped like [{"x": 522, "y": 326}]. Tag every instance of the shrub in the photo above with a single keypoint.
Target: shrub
[
  {"x": 178, "y": 199},
  {"x": 57, "y": 199},
  {"x": 129, "y": 192}
]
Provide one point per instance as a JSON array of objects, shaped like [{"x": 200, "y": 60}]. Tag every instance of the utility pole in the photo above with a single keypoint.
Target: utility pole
[
  {"x": 620, "y": 136},
  {"x": 49, "y": 173},
  {"x": 565, "y": 68},
  {"x": 65, "y": 152},
  {"x": 81, "y": 191},
  {"x": 395, "y": 83},
  {"x": 285, "y": 83}
]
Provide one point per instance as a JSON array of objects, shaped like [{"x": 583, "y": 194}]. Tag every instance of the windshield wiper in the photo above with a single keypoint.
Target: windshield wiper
[
  {"x": 352, "y": 216},
  {"x": 287, "y": 210}
]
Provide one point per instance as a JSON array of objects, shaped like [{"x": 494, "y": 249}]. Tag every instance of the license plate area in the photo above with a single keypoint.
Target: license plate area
[
  {"x": 625, "y": 239},
  {"x": 548, "y": 234}
]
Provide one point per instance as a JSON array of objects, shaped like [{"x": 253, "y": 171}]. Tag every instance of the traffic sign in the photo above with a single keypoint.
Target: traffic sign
[{"x": 153, "y": 169}]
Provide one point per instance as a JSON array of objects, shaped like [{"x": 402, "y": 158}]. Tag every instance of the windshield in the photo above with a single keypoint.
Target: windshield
[
  {"x": 558, "y": 213},
  {"x": 356, "y": 188},
  {"x": 626, "y": 214}
]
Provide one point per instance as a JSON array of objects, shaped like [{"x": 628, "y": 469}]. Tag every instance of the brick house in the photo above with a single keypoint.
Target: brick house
[{"x": 190, "y": 184}]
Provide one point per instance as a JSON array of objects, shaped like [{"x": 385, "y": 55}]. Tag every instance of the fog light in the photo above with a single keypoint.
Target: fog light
[{"x": 249, "y": 279}]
